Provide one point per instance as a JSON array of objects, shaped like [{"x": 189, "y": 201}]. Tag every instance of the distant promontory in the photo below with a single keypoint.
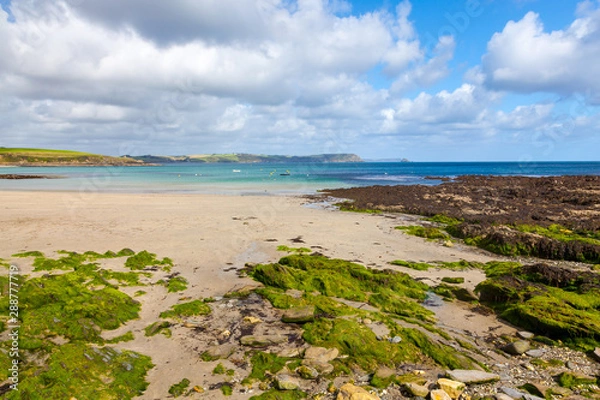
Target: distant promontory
[{"x": 248, "y": 158}]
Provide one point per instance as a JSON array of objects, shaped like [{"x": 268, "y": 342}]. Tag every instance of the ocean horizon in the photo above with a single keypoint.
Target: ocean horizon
[{"x": 273, "y": 178}]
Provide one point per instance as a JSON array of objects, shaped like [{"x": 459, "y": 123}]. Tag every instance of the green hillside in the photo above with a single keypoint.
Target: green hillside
[{"x": 49, "y": 157}]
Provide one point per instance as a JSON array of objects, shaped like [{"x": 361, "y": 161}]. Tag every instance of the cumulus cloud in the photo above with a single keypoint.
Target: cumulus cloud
[{"x": 526, "y": 58}]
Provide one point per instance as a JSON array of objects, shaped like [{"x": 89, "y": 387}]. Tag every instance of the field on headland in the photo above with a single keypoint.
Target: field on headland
[
  {"x": 211, "y": 296},
  {"x": 47, "y": 157}
]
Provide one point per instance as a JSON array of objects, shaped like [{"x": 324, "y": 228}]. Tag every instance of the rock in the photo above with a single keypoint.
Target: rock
[
  {"x": 367, "y": 321},
  {"x": 299, "y": 315},
  {"x": 472, "y": 376},
  {"x": 243, "y": 290},
  {"x": 286, "y": 382},
  {"x": 395, "y": 339},
  {"x": 453, "y": 388},
  {"x": 384, "y": 373},
  {"x": 464, "y": 294},
  {"x": 324, "y": 368},
  {"x": 596, "y": 354},
  {"x": 198, "y": 389},
  {"x": 535, "y": 353},
  {"x": 252, "y": 320},
  {"x": 536, "y": 389},
  {"x": 517, "y": 394},
  {"x": 262, "y": 340},
  {"x": 307, "y": 372},
  {"x": 321, "y": 354},
  {"x": 516, "y": 348},
  {"x": 192, "y": 324},
  {"x": 525, "y": 335},
  {"x": 351, "y": 392},
  {"x": 439, "y": 394},
  {"x": 502, "y": 396},
  {"x": 416, "y": 389},
  {"x": 448, "y": 243},
  {"x": 221, "y": 351},
  {"x": 289, "y": 353},
  {"x": 297, "y": 294}
]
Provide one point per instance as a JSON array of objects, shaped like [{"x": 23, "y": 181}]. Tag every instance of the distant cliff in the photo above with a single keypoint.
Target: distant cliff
[
  {"x": 50, "y": 158},
  {"x": 249, "y": 158}
]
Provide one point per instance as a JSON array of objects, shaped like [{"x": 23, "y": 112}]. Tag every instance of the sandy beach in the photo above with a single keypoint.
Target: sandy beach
[{"x": 210, "y": 238}]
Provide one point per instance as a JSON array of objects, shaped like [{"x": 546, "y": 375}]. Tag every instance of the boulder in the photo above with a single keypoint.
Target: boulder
[
  {"x": 286, "y": 382},
  {"x": 262, "y": 340},
  {"x": 307, "y": 372},
  {"x": 321, "y": 354},
  {"x": 289, "y": 353},
  {"x": 351, "y": 392},
  {"x": 470, "y": 377},
  {"x": 416, "y": 389},
  {"x": 221, "y": 351},
  {"x": 439, "y": 394},
  {"x": 453, "y": 388},
  {"x": 525, "y": 335},
  {"x": 323, "y": 368},
  {"x": 516, "y": 348},
  {"x": 299, "y": 315},
  {"x": 535, "y": 353}
]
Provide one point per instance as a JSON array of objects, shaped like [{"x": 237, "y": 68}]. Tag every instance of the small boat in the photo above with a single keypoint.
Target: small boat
[
  {"x": 237, "y": 170},
  {"x": 286, "y": 173}
]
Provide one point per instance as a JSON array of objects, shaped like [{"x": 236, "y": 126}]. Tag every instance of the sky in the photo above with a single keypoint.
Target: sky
[{"x": 426, "y": 80}]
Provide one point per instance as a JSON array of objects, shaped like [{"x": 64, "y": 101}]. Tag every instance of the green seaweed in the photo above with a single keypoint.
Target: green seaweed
[
  {"x": 145, "y": 259},
  {"x": 427, "y": 232},
  {"x": 158, "y": 327},
  {"x": 561, "y": 233},
  {"x": 29, "y": 254},
  {"x": 227, "y": 389},
  {"x": 219, "y": 369},
  {"x": 297, "y": 250},
  {"x": 453, "y": 279},
  {"x": 263, "y": 362},
  {"x": 412, "y": 265},
  {"x": 179, "y": 389},
  {"x": 349, "y": 206},
  {"x": 189, "y": 309},
  {"x": 77, "y": 370},
  {"x": 127, "y": 337},
  {"x": 569, "y": 380},
  {"x": 176, "y": 284}
]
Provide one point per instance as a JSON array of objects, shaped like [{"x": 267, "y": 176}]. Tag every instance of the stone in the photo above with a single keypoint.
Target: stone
[
  {"x": 416, "y": 389},
  {"x": 289, "y": 353},
  {"x": 472, "y": 376},
  {"x": 464, "y": 294},
  {"x": 453, "y": 388},
  {"x": 596, "y": 354},
  {"x": 220, "y": 351},
  {"x": 516, "y": 348},
  {"x": 252, "y": 320},
  {"x": 535, "y": 353},
  {"x": 198, "y": 389},
  {"x": 517, "y": 394},
  {"x": 307, "y": 372},
  {"x": 321, "y": 354},
  {"x": 439, "y": 394},
  {"x": 324, "y": 368},
  {"x": 536, "y": 389},
  {"x": 262, "y": 340},
  {"x": 525, "y": 335},
  {"x": 351, "y": 392},
  {"x": 448, "y": 243},
  {"x": 286, "y": 382},
  {"x": 502, "y": 396},
  {"x": 384, "y": 373},
  {"x": 395, "y": 339},
  {"x": 299, "y": 315},
  {"x": 367, "y": 321}
]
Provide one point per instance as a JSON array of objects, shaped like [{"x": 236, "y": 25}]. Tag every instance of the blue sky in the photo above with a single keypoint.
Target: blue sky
[{"x": 428, "y": 80}]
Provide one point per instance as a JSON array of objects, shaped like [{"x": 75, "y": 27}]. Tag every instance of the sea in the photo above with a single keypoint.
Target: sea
[{"x": 272, "y": 178}]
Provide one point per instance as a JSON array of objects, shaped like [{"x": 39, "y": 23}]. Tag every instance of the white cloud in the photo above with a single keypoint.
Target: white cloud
[{"x": 526, "y": 58}]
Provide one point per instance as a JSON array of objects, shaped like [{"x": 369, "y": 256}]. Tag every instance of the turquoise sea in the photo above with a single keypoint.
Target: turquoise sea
[{"x": 267, "y": 178}]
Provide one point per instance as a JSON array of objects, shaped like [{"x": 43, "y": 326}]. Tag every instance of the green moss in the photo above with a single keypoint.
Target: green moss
[
  {"x": 453, "y": 279},
  {"x": 63, "y": 305},
  {"x": 227, "y": 389},
  {"x": 445, "y": 220},
  {"x": 29, "y": 254},
  {"x": 145, "y": 259},
  {"x": 192, "y": 308},
  {"x": 263, "y": 362},
  {"x": 139, "y": 293},
  {"x": 127, "y": 337},
  {"x": 427, "y": 232},
  {"x": 219, "y": 369},
  {"x": 561, "y": 233},
  {"x": 349, "y": 206},
  {"x": 81, "y": 371},
  {"x": 158, "y": 327},
  {"x": 569, "y": 380},
  {"x": 176, "y": 284},
  {"x": 298, "y": 250},
  {"x": 180, "y": 388},
  {"x": 275, "y": 394},
  {"x": 412, "y": 265},
  {"x": 230, "y": 372}
]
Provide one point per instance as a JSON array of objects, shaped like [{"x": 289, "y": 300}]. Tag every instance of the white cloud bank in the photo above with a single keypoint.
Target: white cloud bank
[{"x": 269, "y": 76}]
